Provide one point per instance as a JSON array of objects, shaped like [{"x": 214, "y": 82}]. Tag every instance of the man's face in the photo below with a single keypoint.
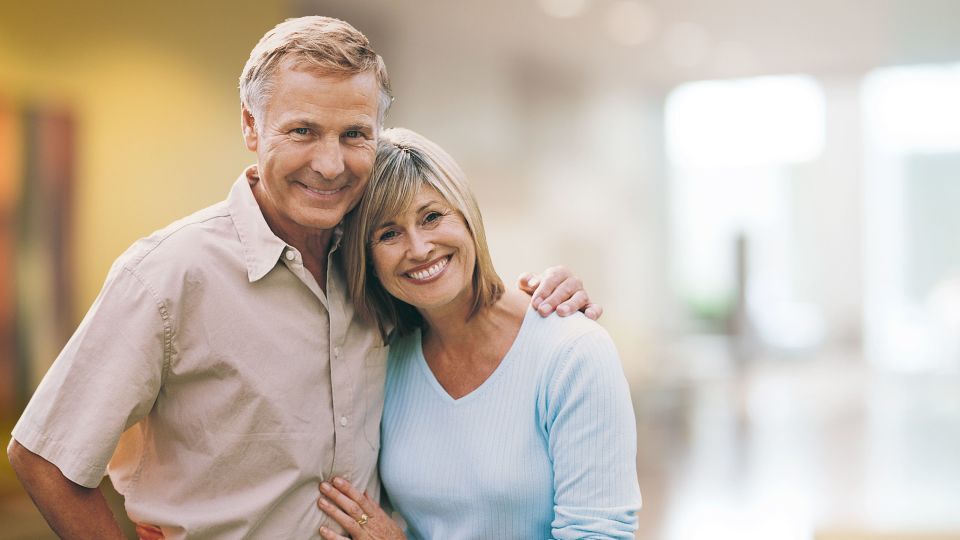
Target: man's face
[{"x": 315, "y": 142}]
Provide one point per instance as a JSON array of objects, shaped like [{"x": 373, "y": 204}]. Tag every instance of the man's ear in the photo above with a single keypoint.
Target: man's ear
[{"x": 249, "y": 127}]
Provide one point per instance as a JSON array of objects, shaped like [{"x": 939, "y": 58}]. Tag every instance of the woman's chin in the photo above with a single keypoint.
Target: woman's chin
[{"x": 427, "y": 301}]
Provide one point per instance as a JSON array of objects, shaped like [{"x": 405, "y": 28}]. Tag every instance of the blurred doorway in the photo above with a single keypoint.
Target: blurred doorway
[{"x": 912, "y": 201}]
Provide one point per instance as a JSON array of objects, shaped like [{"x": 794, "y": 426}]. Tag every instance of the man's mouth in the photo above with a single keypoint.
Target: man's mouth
[
  {"x": 430, "y": 271},
  {"x": 326, "y": 192}
]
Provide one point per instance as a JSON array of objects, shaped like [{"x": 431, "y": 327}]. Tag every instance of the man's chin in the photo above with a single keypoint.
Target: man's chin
[{"x": 322, "y": 223}]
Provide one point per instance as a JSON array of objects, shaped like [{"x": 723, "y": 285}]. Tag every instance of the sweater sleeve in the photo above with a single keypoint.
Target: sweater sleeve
[{"x": 592, "y": 439}]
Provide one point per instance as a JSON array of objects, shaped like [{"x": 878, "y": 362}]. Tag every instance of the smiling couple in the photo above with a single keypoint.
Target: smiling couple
[{"x": 237, "y": 358}]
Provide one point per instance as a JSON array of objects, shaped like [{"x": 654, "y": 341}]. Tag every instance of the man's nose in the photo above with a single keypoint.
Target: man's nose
[{"x": 328, "y": 158}]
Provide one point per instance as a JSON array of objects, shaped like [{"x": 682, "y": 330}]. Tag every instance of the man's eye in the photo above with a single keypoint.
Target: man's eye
[
  {"x": 353, "y": 134},
  {"x": 301, "y": 131}
]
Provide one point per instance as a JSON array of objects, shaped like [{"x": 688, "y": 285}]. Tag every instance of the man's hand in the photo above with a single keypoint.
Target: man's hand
[
  {"x": 149, "y": 532},
  {"x": 558, "y": 289}
]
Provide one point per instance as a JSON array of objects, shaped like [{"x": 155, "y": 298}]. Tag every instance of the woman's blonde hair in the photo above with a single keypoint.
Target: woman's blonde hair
[{"x": 407, "y": 161}]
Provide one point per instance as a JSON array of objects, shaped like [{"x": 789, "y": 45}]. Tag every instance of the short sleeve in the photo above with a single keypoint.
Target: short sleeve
[
  {"x": 593, "y": 442},
  {"x": 106, "y": 379}
]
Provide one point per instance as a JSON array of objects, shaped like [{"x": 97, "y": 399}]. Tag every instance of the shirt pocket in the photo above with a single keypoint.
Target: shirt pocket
[{"x": 374, "y": 380}]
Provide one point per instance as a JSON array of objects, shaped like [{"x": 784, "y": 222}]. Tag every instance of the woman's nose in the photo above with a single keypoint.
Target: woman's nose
[{"x": 420, "y": 245}]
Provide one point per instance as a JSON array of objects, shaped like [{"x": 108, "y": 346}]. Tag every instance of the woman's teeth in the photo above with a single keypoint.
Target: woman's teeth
[{"x": 429, "y": 272}]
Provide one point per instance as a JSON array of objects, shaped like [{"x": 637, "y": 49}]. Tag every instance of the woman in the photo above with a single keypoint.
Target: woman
[{"x": 497, "y": 423}]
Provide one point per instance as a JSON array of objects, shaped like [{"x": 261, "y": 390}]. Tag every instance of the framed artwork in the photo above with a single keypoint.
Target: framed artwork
[{"x": 37, "y": 162}]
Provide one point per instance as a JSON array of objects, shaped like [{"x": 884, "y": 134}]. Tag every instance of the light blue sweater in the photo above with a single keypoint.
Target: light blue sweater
[{"x": 544, "y": 448}]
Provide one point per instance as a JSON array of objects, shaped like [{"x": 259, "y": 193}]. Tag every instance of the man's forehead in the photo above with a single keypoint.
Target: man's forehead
[
  {"x": 300, "y": 92},
  {"x": 366, "y": 79}
]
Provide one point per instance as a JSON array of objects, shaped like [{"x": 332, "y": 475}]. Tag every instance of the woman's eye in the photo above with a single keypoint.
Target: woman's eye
[
  {"x": 432, "y": 217},
  {"x": 387, "y": 235}
]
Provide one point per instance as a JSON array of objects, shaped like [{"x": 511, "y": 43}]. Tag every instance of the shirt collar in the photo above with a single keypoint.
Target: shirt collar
[{"x": 261, "y": 247}]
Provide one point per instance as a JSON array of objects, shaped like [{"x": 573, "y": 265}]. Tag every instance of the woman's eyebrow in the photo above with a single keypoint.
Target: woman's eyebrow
[
  {"x": 428, "y": 204},
  {"x": 392, "y": 222}
]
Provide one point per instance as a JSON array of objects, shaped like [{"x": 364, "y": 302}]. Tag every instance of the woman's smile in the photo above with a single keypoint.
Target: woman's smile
[{"x": 430, "y": 271}]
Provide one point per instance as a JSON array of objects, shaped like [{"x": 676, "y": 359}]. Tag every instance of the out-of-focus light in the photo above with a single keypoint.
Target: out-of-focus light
[
  {"x": 914, "y": 108},
  {"x": 944, "y": 302},
  {"x": 716, "y": 513},
  {"x": 686, "y": 44},
  {"x": 746, "y": 122},
  {"x": 563, "y": 9},
  {"x": 788, "y": 325},
  {"x": 943, "y": 306},
  {"x": 631, "y": 23}
]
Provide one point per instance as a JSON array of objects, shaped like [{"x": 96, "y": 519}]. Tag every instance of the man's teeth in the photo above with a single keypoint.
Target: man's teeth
[
  {"x": 322, "y": 192},
  {"x": 429, "y": 272}
]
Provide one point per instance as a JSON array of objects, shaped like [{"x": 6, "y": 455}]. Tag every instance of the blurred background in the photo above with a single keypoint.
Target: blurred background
[{"x": 763, "y": 194}]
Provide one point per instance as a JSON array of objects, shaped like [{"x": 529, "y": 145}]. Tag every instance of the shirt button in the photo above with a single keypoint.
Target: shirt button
[
  {"x": 336, "y": 352},
  {"x": 343, "y": 421},
  {"x": 291, "y": 255}
]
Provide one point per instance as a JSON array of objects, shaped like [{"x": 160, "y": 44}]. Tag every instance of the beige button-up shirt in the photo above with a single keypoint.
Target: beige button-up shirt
[{"x": 218, "y": 381}]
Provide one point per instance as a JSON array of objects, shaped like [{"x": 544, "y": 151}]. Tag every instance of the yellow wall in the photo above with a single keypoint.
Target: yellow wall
[{"x": 153, "y": 89}]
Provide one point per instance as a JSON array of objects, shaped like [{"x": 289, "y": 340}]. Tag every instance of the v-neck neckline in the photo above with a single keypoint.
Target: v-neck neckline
[{"x": 489, "y": 381}]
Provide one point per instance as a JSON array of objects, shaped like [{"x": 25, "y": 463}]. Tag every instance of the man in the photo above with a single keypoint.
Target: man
[{"x": 221, "y": 372}]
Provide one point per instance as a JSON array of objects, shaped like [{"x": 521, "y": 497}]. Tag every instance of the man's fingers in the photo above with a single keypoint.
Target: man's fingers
[
  {"x": 593, "y": 311},
  {"x": 555, "y": 294},
  {"x": 528, "y": 282},
  {"x": 149, "y": 532},
  {"x": 578, "y": 301},
  {"x": 553, "y": 278},
  {"x": 559, "y": 290}
]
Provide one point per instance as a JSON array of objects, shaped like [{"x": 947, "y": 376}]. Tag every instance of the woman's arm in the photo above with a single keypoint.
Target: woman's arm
[{"x": 592, "y": 440}]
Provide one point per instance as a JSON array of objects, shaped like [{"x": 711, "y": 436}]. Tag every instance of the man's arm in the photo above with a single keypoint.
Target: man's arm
[{"x": 73, "y": 511}]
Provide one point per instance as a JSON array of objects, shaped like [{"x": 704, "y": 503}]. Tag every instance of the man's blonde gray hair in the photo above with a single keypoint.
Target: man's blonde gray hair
[{"x": 329, "y": 46}]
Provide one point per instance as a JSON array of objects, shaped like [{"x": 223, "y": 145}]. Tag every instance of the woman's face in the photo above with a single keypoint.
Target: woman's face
[{"x": 425, "y": 255}]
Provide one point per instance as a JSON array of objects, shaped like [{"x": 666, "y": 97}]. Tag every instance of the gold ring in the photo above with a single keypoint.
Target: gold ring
[{"x": 363, "y": 520}]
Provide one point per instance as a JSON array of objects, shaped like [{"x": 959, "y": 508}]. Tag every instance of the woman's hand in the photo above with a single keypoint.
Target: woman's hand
[
  {"x": 558, "y": 289},
  {"x": 356, "y": 512}
]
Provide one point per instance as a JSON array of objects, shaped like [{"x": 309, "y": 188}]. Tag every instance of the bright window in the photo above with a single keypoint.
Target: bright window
[
  {"x": 911, "y": 196},
  {"x": 732, "y": 146}
]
